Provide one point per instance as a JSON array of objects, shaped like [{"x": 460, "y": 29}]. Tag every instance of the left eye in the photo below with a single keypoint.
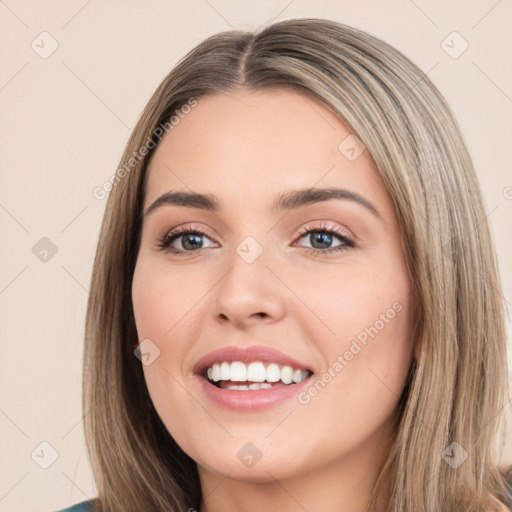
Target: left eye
[{"x": 322, "y": 240}]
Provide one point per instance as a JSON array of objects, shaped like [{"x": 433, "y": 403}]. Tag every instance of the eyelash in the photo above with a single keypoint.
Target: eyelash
[{"x": 164, "y": 243}]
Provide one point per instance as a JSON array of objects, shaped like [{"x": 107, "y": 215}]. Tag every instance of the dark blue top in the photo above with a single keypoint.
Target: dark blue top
[{"x": 84, "y": 506}]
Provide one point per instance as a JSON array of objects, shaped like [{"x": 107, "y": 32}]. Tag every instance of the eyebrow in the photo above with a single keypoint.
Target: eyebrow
[{"x": 290, "y": 200}]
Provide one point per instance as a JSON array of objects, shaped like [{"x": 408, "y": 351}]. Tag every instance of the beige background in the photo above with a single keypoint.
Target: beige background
[{"x": 64, "y": 122}]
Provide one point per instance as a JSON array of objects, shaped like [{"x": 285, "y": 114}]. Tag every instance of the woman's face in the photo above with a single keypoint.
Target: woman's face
[{"x": 277, "y": 285}]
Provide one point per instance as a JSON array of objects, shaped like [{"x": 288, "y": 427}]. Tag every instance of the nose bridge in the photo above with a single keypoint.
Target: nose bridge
[{"x": 249, "y": 289}]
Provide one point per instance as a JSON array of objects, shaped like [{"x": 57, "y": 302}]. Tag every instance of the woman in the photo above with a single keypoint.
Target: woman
[{"x": 295, "y": 248}]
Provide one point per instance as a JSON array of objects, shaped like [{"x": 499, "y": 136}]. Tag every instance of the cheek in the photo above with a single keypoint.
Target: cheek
[
  {"x": 163, "y": 304},
  {"x": 162, "y": 301},
  {"x": 349, "y": 301},
  {"x": 364, "y": 336},
  {"x": 169, "y": 311}
]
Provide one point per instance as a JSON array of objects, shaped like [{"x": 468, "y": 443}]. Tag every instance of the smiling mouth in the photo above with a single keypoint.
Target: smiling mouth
[{"x": 235, "y": 375}]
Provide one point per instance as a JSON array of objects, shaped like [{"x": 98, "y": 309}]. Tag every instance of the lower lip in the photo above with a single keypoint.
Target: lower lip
[{"x": 250, "y": 400}]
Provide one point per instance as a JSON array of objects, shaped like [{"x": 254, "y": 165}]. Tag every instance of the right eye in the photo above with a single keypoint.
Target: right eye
[{"x": 188, "y": 238}]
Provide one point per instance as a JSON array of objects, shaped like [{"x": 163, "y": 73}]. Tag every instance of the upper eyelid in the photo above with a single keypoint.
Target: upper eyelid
[{"x": 326, "y": 226}]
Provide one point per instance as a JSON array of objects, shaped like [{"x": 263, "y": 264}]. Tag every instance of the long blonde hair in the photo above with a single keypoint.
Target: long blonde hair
[{"x": 458, "y": 381}]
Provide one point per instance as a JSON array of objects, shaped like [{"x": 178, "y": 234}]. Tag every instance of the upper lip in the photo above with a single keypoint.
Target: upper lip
[{"x": 247, "y": 355}]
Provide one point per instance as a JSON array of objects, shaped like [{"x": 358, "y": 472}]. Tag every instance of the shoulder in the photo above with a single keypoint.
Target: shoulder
[{"x": 84, "y": 506}]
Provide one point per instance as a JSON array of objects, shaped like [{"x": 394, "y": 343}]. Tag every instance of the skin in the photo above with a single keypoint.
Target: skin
[{"x": 247, "y": 148}]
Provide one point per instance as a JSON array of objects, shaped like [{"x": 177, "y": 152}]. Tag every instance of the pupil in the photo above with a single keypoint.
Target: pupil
[
  {"x": 322, "y": 238},
  {"x": 193, "y": 241}
]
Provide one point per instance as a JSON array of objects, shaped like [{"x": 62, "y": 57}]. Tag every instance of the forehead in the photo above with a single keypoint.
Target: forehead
[{"x": 253, "y": 144}]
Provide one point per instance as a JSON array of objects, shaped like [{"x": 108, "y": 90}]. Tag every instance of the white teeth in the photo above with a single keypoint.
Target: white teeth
[
  {"x": 238, "y": 372},
  {"x": 224, "y": 371},
  {"x": 256, "y": 373},
  {"x": 273, "y": 373},
  {"x": 255, "y": 385},
  {"x": 216, "y": 372},
  {"x": 260, "y": 385},
  {"x": 287, "y": 374},
  {"x": 300, "y": 375}
]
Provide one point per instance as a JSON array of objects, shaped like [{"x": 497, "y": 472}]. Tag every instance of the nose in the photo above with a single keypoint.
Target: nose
[{"x": 249, "y": 293}]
